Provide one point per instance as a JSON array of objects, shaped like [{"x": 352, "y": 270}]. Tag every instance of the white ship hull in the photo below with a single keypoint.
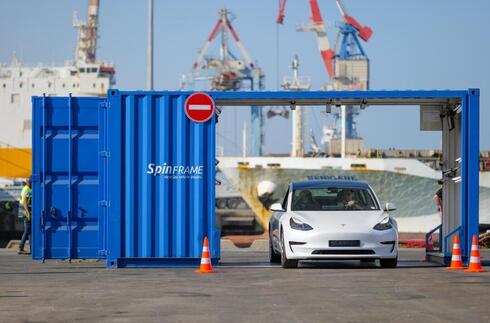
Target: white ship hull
[{"x": 408, "y": 183}]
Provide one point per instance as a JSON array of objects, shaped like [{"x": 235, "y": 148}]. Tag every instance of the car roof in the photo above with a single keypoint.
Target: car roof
[{"x": 329, "y": 183}]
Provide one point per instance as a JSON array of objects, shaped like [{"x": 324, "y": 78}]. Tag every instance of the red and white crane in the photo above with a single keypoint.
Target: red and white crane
[
  {"x": 364, "y": 32},
  {"x": 326, "y": 51},
  {"x": 323, "y": 43},
  {"x": 226, "y": 72},
  {"x": 282, "y": 9},
  {"x": 223, "y": 24}
]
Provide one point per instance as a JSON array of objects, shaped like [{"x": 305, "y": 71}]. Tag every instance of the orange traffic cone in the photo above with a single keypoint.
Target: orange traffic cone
[
  {"x": 475, "y": 265},
  {"x": 456, "y": 262},
  {"x": 205, "y": 267}
]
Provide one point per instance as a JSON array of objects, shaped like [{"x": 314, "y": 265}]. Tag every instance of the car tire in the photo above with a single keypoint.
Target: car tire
[
  {"x": 274, "y": 257},
  {"x": 285, "y": 262},
  {"x": 388, "y": 263}
]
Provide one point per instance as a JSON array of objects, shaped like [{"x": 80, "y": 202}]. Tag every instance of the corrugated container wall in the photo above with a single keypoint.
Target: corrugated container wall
[
  {"x": 157, "y": 181},
  {"x": 65, "y": 141},
  {"x": 133, "y": 161}
]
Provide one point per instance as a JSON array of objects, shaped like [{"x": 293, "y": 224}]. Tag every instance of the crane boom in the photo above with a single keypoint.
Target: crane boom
[
  {"x": 241, "y": 48},
  {"x": 282, "y": 9},
  {"x": 326, "y": 52},
  {"x": 364, "y": 31},
  {"x": 318, "y": 27},
  {"x": 223, "y": 23},
  {"x": 204, "y": 48}
]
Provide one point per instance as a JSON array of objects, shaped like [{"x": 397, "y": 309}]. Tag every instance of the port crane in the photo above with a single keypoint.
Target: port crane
[
  {"x": 349, "y": 32},
  {"x": 347, "y": 64},
  {"x": 228, "y": 72}
]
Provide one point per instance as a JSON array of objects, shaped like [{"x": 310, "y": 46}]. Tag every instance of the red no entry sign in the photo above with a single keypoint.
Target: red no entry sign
[{"x": 199, "y": 107}]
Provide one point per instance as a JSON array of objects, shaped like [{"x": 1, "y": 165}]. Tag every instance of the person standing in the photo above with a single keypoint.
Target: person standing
[
  {"x": 26, "y": 202},
  {"x": 438, "y": 198}
]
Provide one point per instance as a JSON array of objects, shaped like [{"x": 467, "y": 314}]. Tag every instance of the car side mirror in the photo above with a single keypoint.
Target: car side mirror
[
  {"x": 277, "y": 207},
  {"x": 390, "y": 207}
]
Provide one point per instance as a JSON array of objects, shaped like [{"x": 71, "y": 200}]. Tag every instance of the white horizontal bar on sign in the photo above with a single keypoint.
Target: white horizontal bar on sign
[{"x": 205, "y": 107}]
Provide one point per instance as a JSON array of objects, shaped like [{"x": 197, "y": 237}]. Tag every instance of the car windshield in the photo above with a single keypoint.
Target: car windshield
[{"x": 333, "y": 199}]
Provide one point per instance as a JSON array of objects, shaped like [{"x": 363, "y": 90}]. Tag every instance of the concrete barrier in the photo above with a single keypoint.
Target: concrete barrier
[
  {"x": 259, "y": 245},
  {"x": 228, "y": 245}
]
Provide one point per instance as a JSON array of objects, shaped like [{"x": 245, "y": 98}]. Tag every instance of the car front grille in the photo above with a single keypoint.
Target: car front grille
[{"x": 343, "y": 252}]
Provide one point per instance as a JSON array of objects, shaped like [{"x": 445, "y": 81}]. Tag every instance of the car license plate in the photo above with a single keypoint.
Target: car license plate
[{"x": 344, "y": 243}]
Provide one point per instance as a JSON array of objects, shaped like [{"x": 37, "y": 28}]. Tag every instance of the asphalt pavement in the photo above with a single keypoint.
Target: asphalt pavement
[{"x": 245, "y": 289}]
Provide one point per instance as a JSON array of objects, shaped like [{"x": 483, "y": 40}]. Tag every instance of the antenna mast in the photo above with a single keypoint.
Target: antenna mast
[{"x": 87, "y": 34}]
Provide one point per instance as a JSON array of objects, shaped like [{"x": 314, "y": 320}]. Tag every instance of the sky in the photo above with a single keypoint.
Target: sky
[{"x": 417, "y": 44}]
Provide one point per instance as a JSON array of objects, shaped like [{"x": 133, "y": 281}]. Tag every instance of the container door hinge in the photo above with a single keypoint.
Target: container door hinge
[
  {"x": 103, "y": 252},
  {"x": 104, "y": 203},
  {"x": 105, "y": 104},
  {"x": 104, "y": 153}
]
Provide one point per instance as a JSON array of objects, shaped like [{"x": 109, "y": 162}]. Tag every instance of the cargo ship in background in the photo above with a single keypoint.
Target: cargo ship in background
[
  {"x": 408, "y": 182},
  {"x": 83, "y": 76}
]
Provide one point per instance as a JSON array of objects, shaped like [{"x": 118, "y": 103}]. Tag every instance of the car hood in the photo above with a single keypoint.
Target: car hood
[{"x": 340, "y": 219}]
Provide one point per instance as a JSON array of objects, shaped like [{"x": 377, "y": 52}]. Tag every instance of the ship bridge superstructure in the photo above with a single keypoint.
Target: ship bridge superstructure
[{"x": 84, "y": 75}]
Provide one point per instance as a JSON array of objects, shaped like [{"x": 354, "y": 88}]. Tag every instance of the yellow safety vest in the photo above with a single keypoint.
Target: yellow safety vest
[{"x": 26, "y": 195}]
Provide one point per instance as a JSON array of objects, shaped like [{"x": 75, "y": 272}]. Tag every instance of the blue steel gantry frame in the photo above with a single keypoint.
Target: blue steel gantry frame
[
  {"x": 350, "y": 46},
  {"x": 53, "y": 117},
  {"x": 468, "y": 100}
]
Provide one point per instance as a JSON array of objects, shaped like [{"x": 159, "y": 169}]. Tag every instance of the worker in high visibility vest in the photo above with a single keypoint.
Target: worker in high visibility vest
[{"x": 26, "y": 202}]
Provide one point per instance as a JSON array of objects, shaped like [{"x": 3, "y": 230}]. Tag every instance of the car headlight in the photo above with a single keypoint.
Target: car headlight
[
  {"x": 297, "y": 225},
  {"x": 385, "y": 224}
]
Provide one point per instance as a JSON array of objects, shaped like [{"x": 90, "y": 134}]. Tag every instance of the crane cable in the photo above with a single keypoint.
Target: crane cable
[{"x": 277, "y": 57}]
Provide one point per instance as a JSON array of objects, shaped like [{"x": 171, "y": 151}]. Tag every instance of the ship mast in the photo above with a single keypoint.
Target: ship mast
[
  {"x": 87, "y": 34},
  {"x": 297, "y": 84}
]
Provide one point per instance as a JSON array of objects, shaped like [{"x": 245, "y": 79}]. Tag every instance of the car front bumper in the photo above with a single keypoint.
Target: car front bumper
[{"x": 311, "y": 245}]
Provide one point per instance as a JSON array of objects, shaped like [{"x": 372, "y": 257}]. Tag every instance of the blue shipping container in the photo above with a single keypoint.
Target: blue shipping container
[
  {"x": 158, "y": 180},
  {"x": 133, "y": 161}
]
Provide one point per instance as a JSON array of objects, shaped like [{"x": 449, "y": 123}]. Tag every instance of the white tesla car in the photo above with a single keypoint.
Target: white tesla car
[{"x": 332, "y": 219}]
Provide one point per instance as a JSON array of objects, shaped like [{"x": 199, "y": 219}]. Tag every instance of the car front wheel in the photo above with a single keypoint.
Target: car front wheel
[
  {"x": 285, "y": 262},
  {"x": 274, "y": 257}
]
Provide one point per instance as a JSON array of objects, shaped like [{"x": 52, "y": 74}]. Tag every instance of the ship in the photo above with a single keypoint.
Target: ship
[
  {"x": 84, "y": 75},
  {"x": 409, "y": 183}
]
